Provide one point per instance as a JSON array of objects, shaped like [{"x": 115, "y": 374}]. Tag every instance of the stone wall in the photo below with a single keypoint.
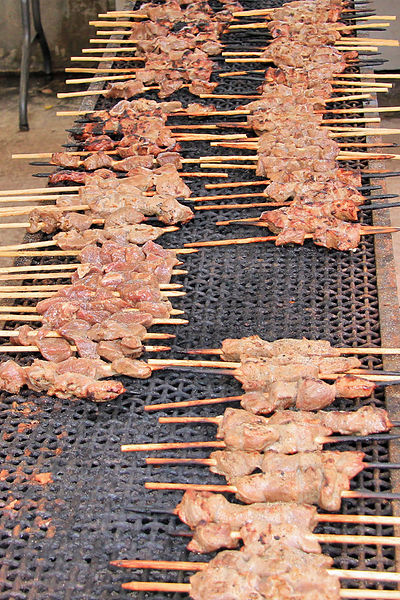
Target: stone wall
[{"x": 65, "y": 23}]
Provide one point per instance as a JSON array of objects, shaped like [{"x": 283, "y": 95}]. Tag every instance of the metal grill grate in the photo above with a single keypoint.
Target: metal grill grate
[{"x": 56, "y": 540}]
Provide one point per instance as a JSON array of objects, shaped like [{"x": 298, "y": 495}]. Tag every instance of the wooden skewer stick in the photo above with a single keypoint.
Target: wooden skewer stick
[
  {"x": 36, "y": 191},
  {"x": 5, "y": 333},
  {"x": 97, "y": 70},
  {"x": 184, "y": 588},
  {"x": 272, "y": 238},
  {"x": 105, "y": 49},
  {"x": 52, "y": 286},
  {"x": 203, "y": 444},
  {"x": 111, "y": 59},
  {"x": 217, "y": 364},
  {"x": 38, "y": 319},
  {"x": 338, "y": 27},
  {"x": 244, "y": 13},
  {"x": 182, "y": 136},
  {"x": 11, "y": 349},
  {"x": 68, "y": 275},
  {"x": 241, "y": 206},
  {"x": 96, "y": 79},
  {"x": 152, "y": 485},
  {"x": 343, "y": 48},
  {"x": 111, "y": 41},
  {"x": 114, "y": 31},
  {"x": 47, "y": 243},
  {"x": 33, "y": 294},
  {"x": 59, "y": 252},
  {"x": 74, "y": 266},
  {"x": 200, "y": 566},
  {"x": 344, "y": 155}
]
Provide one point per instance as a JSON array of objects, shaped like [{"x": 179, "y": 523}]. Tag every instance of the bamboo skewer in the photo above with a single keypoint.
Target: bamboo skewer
[
  {"x": 152, "y": 485},
  {"x": 232, "y": 366},
  {"x": 244, "y": 13},
  {"x": 48, "y": 294},
  {"x": 38, "y": 318},
  {"x": 219, "y": 444},
  {"x": 184, "y": 588},
  {"x": 337, "y": 28},
  {"x": 343, "y": 155},
  {"x": 181, "y": 136},
  {"x": 11, "y": 349},
  {"x": 342, "y": 48},
  {"x": 63, "y": 252},
  {"x": 272, "y": 238},
  {"x": 73, "y": 266},
  {"x": 68, "y": 275},
  {"x": 56, "y": 287},
  {"x": 200, "y": 566},
  {"x": 53, "y": 334}
]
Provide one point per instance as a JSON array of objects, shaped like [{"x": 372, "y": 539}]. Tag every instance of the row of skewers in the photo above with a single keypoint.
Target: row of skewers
[{"x": 277, "y": 466}]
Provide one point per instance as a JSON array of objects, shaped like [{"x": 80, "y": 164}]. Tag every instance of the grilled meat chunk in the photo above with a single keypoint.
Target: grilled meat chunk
[
  {"x": 364, "y": 421},
  {"x": 314, "y": 478},
  {"x": 245, "y": 431}
]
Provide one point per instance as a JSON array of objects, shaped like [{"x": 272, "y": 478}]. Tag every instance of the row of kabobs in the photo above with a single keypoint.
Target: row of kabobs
[
  {"x": 121, "y": 286},
  {"x": 298, "y": 157},
  {"x": 278, "y": 468},
  {"x": 299, "y": 161}
]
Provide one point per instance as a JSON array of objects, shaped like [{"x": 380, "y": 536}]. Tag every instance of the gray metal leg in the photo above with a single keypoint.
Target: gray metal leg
[
  {"x": 41, "y": 37},
  {"x": 25, "y": 59}
]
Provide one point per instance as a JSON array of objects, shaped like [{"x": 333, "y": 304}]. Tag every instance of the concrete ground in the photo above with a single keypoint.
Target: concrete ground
[
  {"x": 393, "y": 187},
  {"x": 46, "y": 134}
]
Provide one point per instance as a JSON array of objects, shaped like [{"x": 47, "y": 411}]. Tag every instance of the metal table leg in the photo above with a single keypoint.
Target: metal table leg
[
  {"x": 37, "y": 22},
  {"x": 25, "y": 59},
  {"x": 26, "y": 52}
]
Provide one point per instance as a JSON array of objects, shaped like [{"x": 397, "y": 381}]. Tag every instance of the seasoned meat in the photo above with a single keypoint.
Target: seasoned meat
[
  {"x": 12, "y": 377},
  {"x": 258, "y": 373},
  {"x": 233, "y": 349},
  {"x": 131, "y": 368},
  {"x": 365, "y": 420},
  {"x": 349, "y": 386},
  {"x": 249, "y": 576},
  {"x": 99, "y": 160},
  {"x": 54, "y": 349},
  {"x": 242, "y": 430},
  {"x": 205, "y": 507},
  {"x": 71, "y": 385},
  {"x": 314, "y": 393},
  {"x": 209, "y": 537},
  {"x": 65, "y": 159},
  {"x": 313, "y": 478}
]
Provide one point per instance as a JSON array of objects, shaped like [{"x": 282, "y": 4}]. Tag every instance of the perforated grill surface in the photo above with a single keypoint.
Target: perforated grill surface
[{"x": 57, "y": 538}]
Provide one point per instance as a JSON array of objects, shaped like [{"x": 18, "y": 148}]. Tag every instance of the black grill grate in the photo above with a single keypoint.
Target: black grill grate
[{"x": 56, "y": 540}]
